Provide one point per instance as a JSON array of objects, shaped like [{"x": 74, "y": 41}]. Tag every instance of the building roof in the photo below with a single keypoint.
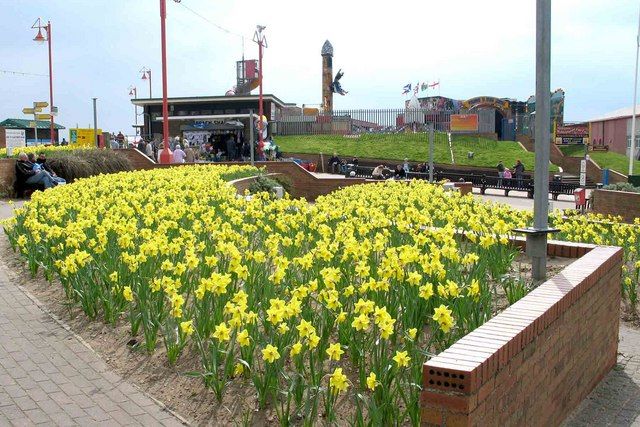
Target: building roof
[
  {"x": 617, "y": 114},
  {"x": 191, "y": 99},
  {"x": 26, "y": 124},
  {"x": 327, "y": 49}
]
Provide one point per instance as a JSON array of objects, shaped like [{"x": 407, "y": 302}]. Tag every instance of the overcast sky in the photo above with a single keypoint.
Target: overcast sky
[{"x": 473, "y": 47}]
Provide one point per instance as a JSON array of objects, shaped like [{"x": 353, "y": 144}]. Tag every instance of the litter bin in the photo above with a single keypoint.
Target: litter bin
[
  {"x": 634, "y": 180},
  {"x": 557, "y": 178},
  {"x": 605, "y": 176},
  {"x": 580, "y": 196}
]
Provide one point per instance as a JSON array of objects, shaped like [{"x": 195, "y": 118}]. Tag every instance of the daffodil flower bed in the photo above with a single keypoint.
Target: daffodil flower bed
[
  {"x": 312, "y": 305},
  {"x": 49, "y": 150}
]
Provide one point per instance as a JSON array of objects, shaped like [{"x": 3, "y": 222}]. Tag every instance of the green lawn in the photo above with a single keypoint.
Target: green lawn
[
  {"x": 604, "y": 159},
  {"x": 415, "y": 147}
]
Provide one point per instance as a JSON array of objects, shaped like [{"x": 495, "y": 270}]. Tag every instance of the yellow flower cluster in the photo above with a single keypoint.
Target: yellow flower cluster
[
  {"x": 330, "y": 294},
  {"x": 47, "y": 149}
]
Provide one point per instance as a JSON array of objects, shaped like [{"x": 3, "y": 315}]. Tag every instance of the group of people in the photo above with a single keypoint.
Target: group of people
[
  {"x": 337, "y": 165},
  {"x": 505, "y": 175},
  {"x": 34, "y": 171}
]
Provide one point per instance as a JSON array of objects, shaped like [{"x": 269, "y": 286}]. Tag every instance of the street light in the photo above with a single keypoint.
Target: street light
[
  {"x": 40, "y": 39},
  {"x": 146, "y": 75},
  {"x": 134, "y": 92},
  {"x": 261, "y": 40},
  {"x": 165, "y": 155},
  {"x": 632, "y": 148}
]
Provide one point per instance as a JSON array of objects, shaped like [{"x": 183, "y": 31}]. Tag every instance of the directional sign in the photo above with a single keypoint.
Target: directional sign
[
  {"x": 28, "y": 111},
  {"x": 43, "y": 116},
  {"x": 32, "y": 124},
  {"x": 54, "y": 111},
  {"x": 41, "y": 104}
]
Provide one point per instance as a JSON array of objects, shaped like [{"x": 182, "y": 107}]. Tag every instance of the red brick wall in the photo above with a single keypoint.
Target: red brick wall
[
  {"x": 535, "y": 362},
  {"x": 609, "y": 202}
]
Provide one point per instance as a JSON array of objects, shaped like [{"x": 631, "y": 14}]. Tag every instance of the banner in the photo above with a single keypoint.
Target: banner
[
  {"x": 83, "y": 137},
  {"x": 464, "y": 123}
]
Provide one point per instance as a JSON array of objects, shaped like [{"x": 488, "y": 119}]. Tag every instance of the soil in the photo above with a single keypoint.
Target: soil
[{"x": 183, "y": 394}]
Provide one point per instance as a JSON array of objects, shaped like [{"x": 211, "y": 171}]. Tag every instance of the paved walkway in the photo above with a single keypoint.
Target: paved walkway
[
  {"x": 49, "y": 376},
  {"x": 616, "y": 400}
]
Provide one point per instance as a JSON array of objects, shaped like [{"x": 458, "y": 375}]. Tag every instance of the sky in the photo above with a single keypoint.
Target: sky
[{"x": 473, "y": 48}]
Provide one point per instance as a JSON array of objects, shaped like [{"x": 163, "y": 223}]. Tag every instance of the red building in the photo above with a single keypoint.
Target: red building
[{"x": 614, "y": 129}]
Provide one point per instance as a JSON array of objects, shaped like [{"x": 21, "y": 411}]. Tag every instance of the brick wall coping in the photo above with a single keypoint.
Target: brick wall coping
[{"x": 476, "y": 358}]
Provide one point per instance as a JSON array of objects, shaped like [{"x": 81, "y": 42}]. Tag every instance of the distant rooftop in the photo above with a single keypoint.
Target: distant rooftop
[
  {"x": 214, "y": 98},
  {"x": 28, "y": 124},
  {"x": 617, "y": 114}
]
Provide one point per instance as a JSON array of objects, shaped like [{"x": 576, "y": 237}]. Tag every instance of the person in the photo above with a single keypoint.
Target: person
[
  {"x": 189, "y": 154},
  {"x": 25, "y": 173},
  {"x": 64, "y": 142},
  {"x": 377, "y": 172},
  {"x": 178, "y": 154},
  {"x": 507, "y": 176},
  {"x": 406, "y": 166},
  {"x": 400, "y": 172},
  {"x": 500, "y": 167},
  {"x": 230, "y": 146},
  {"x": 120, "y": 139},
  {"x": 114, "y": 143},
  {"x": 140, "y": 146},
  {"x": 246, "y": 150},
  {"x": 518, "y": 170},
  {"x": 354, "y": 161},
  {"x": 334, "y": 162},
  {"x": 148, "y": 149},
  {"x": 41, "y": 161}
]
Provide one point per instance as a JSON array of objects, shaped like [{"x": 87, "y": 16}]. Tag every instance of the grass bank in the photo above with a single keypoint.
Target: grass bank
[
  {"x": 604, "y": 159},
  {"x": 415, "y": 147}
]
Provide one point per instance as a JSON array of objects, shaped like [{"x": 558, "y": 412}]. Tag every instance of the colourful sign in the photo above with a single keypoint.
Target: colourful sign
[
  {"x": 572, "y": 134},
  {"x": 464, "y": 123},
  {"x": 83, "y": 137}
]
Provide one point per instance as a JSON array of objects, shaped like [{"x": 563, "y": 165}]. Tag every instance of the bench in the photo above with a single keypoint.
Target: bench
[{"x": 24, "y": 190}]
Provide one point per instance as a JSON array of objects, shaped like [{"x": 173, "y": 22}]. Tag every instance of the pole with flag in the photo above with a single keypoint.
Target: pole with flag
[{"x": 406, "y": 89}]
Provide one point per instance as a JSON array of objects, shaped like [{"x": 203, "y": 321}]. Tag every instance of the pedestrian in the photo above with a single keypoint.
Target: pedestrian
[
  {"x": 230, "y": 146},
  {"x": 518, "y": 170},
  {"x": 500, "y": 167},
  {"x": 148, "y": 149},
  {"x": 178, "y": 154},
  {"x": 189, "y": 154},
  {"x": 406, "y": 166}
]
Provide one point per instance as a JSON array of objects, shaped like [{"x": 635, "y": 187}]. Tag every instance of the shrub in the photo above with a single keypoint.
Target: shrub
[
  {"x": 264, "y": 184},
  {"x": 85, "y": 163},
  {"x": 622, "y": 186}
]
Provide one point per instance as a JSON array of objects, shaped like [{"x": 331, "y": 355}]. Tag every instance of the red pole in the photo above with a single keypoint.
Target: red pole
[
  {"x": 165, "y": 155},
  {"x": 51, "y": 130},
  {"x": 260, "y": 109}
]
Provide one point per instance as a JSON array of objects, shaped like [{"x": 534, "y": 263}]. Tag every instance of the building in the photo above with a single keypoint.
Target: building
[
  {"x": 209, "y": 113},
  {"x": 43, "y": 130},
  {"x": 614, "y": 130}
]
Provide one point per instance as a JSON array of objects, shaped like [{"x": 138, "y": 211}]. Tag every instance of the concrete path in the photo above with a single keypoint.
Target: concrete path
[
  {"x": 48, "y": 376},
  {"x": 616, "y": 400}
]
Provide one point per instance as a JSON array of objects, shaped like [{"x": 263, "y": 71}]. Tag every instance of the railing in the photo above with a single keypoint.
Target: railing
[{"x": 481, "y": 181}]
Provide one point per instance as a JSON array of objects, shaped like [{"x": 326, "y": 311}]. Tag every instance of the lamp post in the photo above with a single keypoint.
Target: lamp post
[
  {"x": 95, "y": 122},
  {"x": 133, "y": 91},
  {"x": 261, "y": 40},
  {"x": 39, "y": 38},
  {"x": 632, "y": 149},
  {"x": 146, "y": 75},
  {"x": 165, "y": 155}
]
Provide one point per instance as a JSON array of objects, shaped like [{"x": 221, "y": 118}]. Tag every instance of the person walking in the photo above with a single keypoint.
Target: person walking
[
  {"x": 500, "y": 167},
  {"x": 178, "y": 154}
]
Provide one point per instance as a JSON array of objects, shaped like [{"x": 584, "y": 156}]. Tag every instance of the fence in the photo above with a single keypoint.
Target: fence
[{"x": 354, "y": 122}]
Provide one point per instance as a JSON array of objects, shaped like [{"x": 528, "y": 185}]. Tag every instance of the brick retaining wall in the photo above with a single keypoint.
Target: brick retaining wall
[
  {"x": 534, "y": 362},
  {"x": 609, "y": 202}
]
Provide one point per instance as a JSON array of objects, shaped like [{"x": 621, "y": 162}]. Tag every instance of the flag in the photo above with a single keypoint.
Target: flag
[
  {"x": 434, "y": 84},
  {"x": 424, "y": 86},
  {"x": 417, "y": 87},
  {"x": 406, "y": 89}
]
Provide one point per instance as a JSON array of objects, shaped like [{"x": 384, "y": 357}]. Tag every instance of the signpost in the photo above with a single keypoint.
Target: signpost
[
  {"x": 35, "y": 110},
  {"x": 583, "y": 173}
]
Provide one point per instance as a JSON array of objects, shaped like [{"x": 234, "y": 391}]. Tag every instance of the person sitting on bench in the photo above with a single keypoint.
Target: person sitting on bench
[
  {"x": 41, "y": 163},
  {"x": 26, "y": 174}
]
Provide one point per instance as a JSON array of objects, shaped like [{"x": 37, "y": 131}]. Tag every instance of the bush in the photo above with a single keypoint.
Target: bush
[
  {"x": 622, "y": 186},
  {"x": 264, "y": 184},
  {"x": 86, "y": 163}
]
